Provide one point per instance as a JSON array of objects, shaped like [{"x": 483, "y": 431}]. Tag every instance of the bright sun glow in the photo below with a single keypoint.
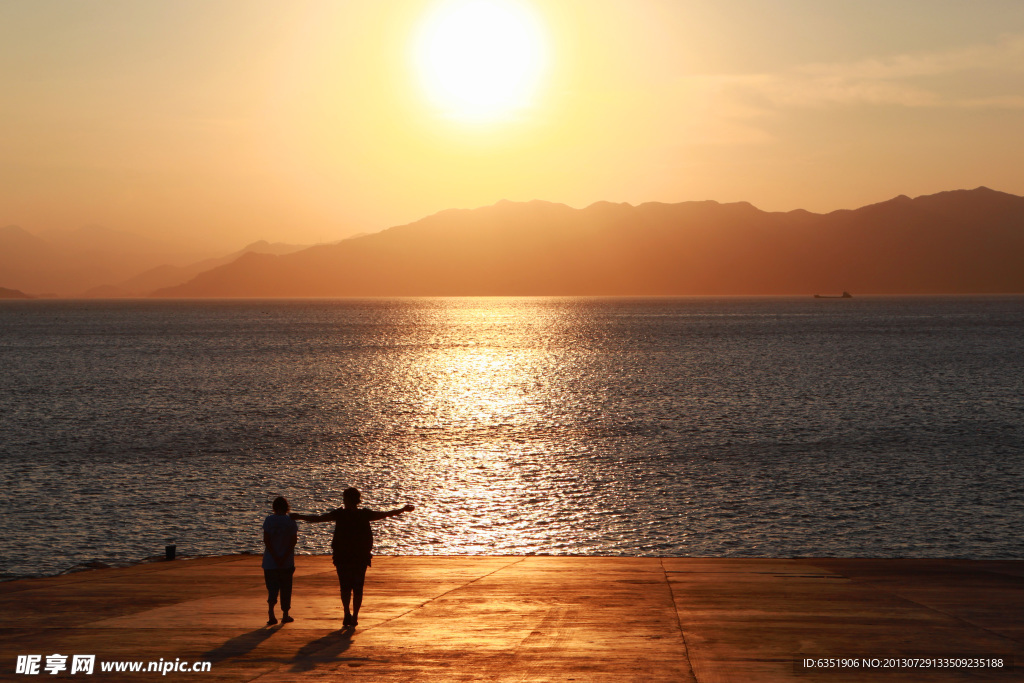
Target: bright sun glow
[{"x": 481, "y": 60}]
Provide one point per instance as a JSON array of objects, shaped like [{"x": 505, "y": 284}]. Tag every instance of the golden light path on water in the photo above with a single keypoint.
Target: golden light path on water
[{"x": 481, "y": 390}]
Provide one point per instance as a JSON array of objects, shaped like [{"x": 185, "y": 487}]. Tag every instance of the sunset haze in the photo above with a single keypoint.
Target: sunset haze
[{"x": 215, "y": 124}]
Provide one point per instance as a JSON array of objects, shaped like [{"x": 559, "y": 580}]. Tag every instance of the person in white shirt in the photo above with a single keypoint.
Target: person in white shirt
[{"x": 280, "y": 533}]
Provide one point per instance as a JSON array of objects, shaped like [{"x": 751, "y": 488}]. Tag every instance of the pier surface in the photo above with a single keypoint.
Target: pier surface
[{"x": 532, "y": 618}]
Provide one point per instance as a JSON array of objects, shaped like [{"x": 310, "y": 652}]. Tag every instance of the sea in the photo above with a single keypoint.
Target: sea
[{"x": 733, "y": 427}]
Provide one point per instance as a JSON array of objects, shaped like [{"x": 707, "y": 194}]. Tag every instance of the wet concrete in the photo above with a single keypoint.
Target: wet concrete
[{"x": 533, "y": 619}]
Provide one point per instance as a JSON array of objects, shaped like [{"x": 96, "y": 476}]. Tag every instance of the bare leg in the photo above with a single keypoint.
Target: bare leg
[
  {"x": 357, "y": 602},
  {"x": 346, "y": 597}
]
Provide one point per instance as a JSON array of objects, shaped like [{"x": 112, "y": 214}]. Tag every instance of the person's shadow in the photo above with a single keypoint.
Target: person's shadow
[
  {"x": 322, "y": 650},
  {"x": 240, "y": 645}
]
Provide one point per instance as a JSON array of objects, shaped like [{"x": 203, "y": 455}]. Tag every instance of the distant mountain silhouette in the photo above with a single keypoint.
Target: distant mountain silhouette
[
  {"x": 69, "y": 262},
  {"x": 95, "y": 261},
  {"x": 169, "y": 276},
  {"x": 13, "y": 294},
  {"x": 964, "y": 241}
]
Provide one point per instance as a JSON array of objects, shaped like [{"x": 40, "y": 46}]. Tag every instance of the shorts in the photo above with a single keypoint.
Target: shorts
[{"x": 351, "y": 576}]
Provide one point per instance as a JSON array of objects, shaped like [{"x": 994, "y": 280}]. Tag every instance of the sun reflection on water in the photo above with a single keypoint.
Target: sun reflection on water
[{"x": 485, "y": 388}]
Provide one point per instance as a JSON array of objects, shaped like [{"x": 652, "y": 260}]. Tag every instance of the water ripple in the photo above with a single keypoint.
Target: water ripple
[{"x": 689, "y": 427}]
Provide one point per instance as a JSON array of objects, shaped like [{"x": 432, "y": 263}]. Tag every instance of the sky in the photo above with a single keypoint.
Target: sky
[{"x": 220, "y": 122}]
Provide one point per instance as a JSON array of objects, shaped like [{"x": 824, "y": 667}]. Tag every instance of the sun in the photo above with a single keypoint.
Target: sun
[{"x": 480, "y": 60}]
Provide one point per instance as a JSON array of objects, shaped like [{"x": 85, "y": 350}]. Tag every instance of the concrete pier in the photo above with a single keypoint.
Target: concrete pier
[{"x": 533, "y": 618}]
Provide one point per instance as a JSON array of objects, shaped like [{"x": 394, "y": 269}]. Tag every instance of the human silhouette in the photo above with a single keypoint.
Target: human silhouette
[
  {"x": 280, "y": 533},
  {"x": 352, "y": 546}
]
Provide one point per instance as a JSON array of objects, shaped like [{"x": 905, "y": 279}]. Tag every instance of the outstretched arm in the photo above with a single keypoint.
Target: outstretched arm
[
  {"x": 310, "y": 518},
  {"x": 390, "y": 513}
]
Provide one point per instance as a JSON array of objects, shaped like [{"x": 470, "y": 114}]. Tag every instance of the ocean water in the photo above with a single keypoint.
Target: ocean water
[{"x": 885, "y": 427}]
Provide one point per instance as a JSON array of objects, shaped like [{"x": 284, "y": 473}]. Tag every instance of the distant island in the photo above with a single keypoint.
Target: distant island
[
  {"x": 13, "y": 294},
  {"x": 958, "y": 242}
]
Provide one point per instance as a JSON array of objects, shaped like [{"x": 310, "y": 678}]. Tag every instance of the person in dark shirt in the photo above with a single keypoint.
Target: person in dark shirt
[
  {"x": 279, "y": 536},
  {"x": 352, "y": 546}
]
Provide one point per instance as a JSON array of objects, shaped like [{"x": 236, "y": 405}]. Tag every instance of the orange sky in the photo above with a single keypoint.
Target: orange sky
[{"x": 226, "y": 122}]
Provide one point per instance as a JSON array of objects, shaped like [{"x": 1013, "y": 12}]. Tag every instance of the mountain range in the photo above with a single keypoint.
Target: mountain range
[
  {"x": 69, "y": 262},
  {"x": 95, "y": 261},
  {"x": 962, "y": 241},
  {"x": 168, "y": 276}
]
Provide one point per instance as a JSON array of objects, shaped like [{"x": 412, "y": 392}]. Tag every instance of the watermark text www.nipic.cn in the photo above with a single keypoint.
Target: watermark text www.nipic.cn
[{"x": 31, "y": 665}]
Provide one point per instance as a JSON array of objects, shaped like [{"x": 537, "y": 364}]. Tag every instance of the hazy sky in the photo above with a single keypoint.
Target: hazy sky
[{"x": 298, "y": 121}]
